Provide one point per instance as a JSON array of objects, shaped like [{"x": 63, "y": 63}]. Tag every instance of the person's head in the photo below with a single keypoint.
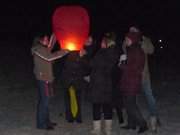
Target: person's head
[
  {"x": 104, "y": 43},
  {"x": 108, "y": 40},
  {"x": 110, "y": 35},
  {"x": 128, "y": 41},
  {"x": 89, "y": 41},
  {"x": 132, "y": 38},
  {"x": 44, "y": 40},
  {"x": 134, "y": 29}
]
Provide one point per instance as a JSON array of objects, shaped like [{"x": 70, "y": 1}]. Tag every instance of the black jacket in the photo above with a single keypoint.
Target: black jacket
[{"x": 101, "y": 75}]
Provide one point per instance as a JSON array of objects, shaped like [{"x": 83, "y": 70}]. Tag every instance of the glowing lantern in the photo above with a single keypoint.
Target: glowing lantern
[{"x": 71, "y": 26}]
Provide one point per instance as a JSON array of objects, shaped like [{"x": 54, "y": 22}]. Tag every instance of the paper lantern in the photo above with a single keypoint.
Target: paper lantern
[{"x": 71, "y": 26}]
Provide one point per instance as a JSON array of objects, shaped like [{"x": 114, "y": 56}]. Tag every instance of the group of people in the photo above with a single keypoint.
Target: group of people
[{"x": 113, "y": 75}]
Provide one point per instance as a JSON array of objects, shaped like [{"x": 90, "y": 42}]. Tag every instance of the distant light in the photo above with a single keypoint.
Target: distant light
[
  {"x": 160, "y": 40},
  {"x": 161, "y": 47}
]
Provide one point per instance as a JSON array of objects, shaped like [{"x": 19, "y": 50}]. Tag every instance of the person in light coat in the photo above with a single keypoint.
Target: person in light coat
[{"x": 43, "y": 70}]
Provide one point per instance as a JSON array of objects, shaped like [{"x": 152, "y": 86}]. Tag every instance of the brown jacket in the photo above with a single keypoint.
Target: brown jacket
[{"x": 43, "y": 60}]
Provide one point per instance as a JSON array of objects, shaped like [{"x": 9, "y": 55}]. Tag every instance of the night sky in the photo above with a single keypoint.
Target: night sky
[{"x": 22, "y": 20}]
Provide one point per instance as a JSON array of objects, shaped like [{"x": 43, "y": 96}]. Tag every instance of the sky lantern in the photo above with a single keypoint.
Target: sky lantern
[{"x": 71, "y": 26}]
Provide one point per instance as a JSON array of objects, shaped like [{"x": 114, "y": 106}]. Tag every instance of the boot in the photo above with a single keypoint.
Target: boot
[
  {"x": 159, "y": 124},
  {"x": 143, "y": 128},
  {"x": 120, "y": 116},
  {"x": 127, "y": 127},
  {"x": 96, "y": 127},
  {"x": 108, "y": 127},
  {"x": 153, "y": 123}
]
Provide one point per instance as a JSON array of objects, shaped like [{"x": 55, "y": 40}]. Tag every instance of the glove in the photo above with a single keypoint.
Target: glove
[
  {"x": 87, "y": 78},
  {"x": 123, "y": 58},
  {"x": 82, "y": 52}
]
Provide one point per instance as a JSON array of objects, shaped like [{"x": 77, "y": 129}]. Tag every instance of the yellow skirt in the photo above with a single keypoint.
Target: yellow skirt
[{"x": 73, "y": 101}]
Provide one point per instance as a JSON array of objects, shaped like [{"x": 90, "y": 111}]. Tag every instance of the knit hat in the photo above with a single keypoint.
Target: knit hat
[{"x": 135, "y": 37}]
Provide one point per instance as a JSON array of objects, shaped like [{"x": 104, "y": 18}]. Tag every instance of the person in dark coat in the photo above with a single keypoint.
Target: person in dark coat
[
  {"x": 117, "y": 96},
  {"x": 101, "y": 84},
  {"x": 72, "y": 75},
  {"x": 89, "y": 52},
  {"x": 130, "y": 83},
  {"x": 89, "y": 48}
]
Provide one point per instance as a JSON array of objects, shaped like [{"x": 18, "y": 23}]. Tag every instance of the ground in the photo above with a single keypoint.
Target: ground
[{"x": 18, "y": 100}]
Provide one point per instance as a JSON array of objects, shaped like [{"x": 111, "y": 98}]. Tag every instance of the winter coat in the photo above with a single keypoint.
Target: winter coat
[
  {"x": 116, "y": 76},
  {"x": 101, "y": 75},
  {"x": 43, "y": 61},
  {"x": 90, "y": 51},
  {"x": 74, "y": 70},
  {"x": 130, "y": 83},
  {"x": 148, "y": 49}
]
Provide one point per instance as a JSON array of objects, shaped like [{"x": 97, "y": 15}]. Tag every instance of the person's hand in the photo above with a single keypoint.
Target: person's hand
[
  {"x": 44, "y": 40},
  {"x": 123, "y": 57},
  {"x": 82, "y": 52},
  {"x": 65, "y": 51},
  {"x": 87, "y": 78},
  {"x": 89, "y": 41},
  {"x": 52, "y": 41},
  {"x": 62, "y": 52}
]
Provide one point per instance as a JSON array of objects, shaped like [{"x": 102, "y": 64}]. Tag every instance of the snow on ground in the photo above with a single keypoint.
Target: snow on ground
[{"x": 18, "y": 99}]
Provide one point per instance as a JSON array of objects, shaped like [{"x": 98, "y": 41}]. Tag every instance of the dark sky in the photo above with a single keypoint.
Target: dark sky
[
  {"x": 158, "y": 18},
  {"x": 22, "y": 20}
]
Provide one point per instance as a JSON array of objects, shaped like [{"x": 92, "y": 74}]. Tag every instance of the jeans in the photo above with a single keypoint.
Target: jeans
[
  {"x": 146, "y": 88},
  {"x": 42, "y": 106}
]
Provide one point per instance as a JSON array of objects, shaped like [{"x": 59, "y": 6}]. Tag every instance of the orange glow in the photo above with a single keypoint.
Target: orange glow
[
  {"x": 71, "y": 46},
  {"x": 72, "y": 43}
]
